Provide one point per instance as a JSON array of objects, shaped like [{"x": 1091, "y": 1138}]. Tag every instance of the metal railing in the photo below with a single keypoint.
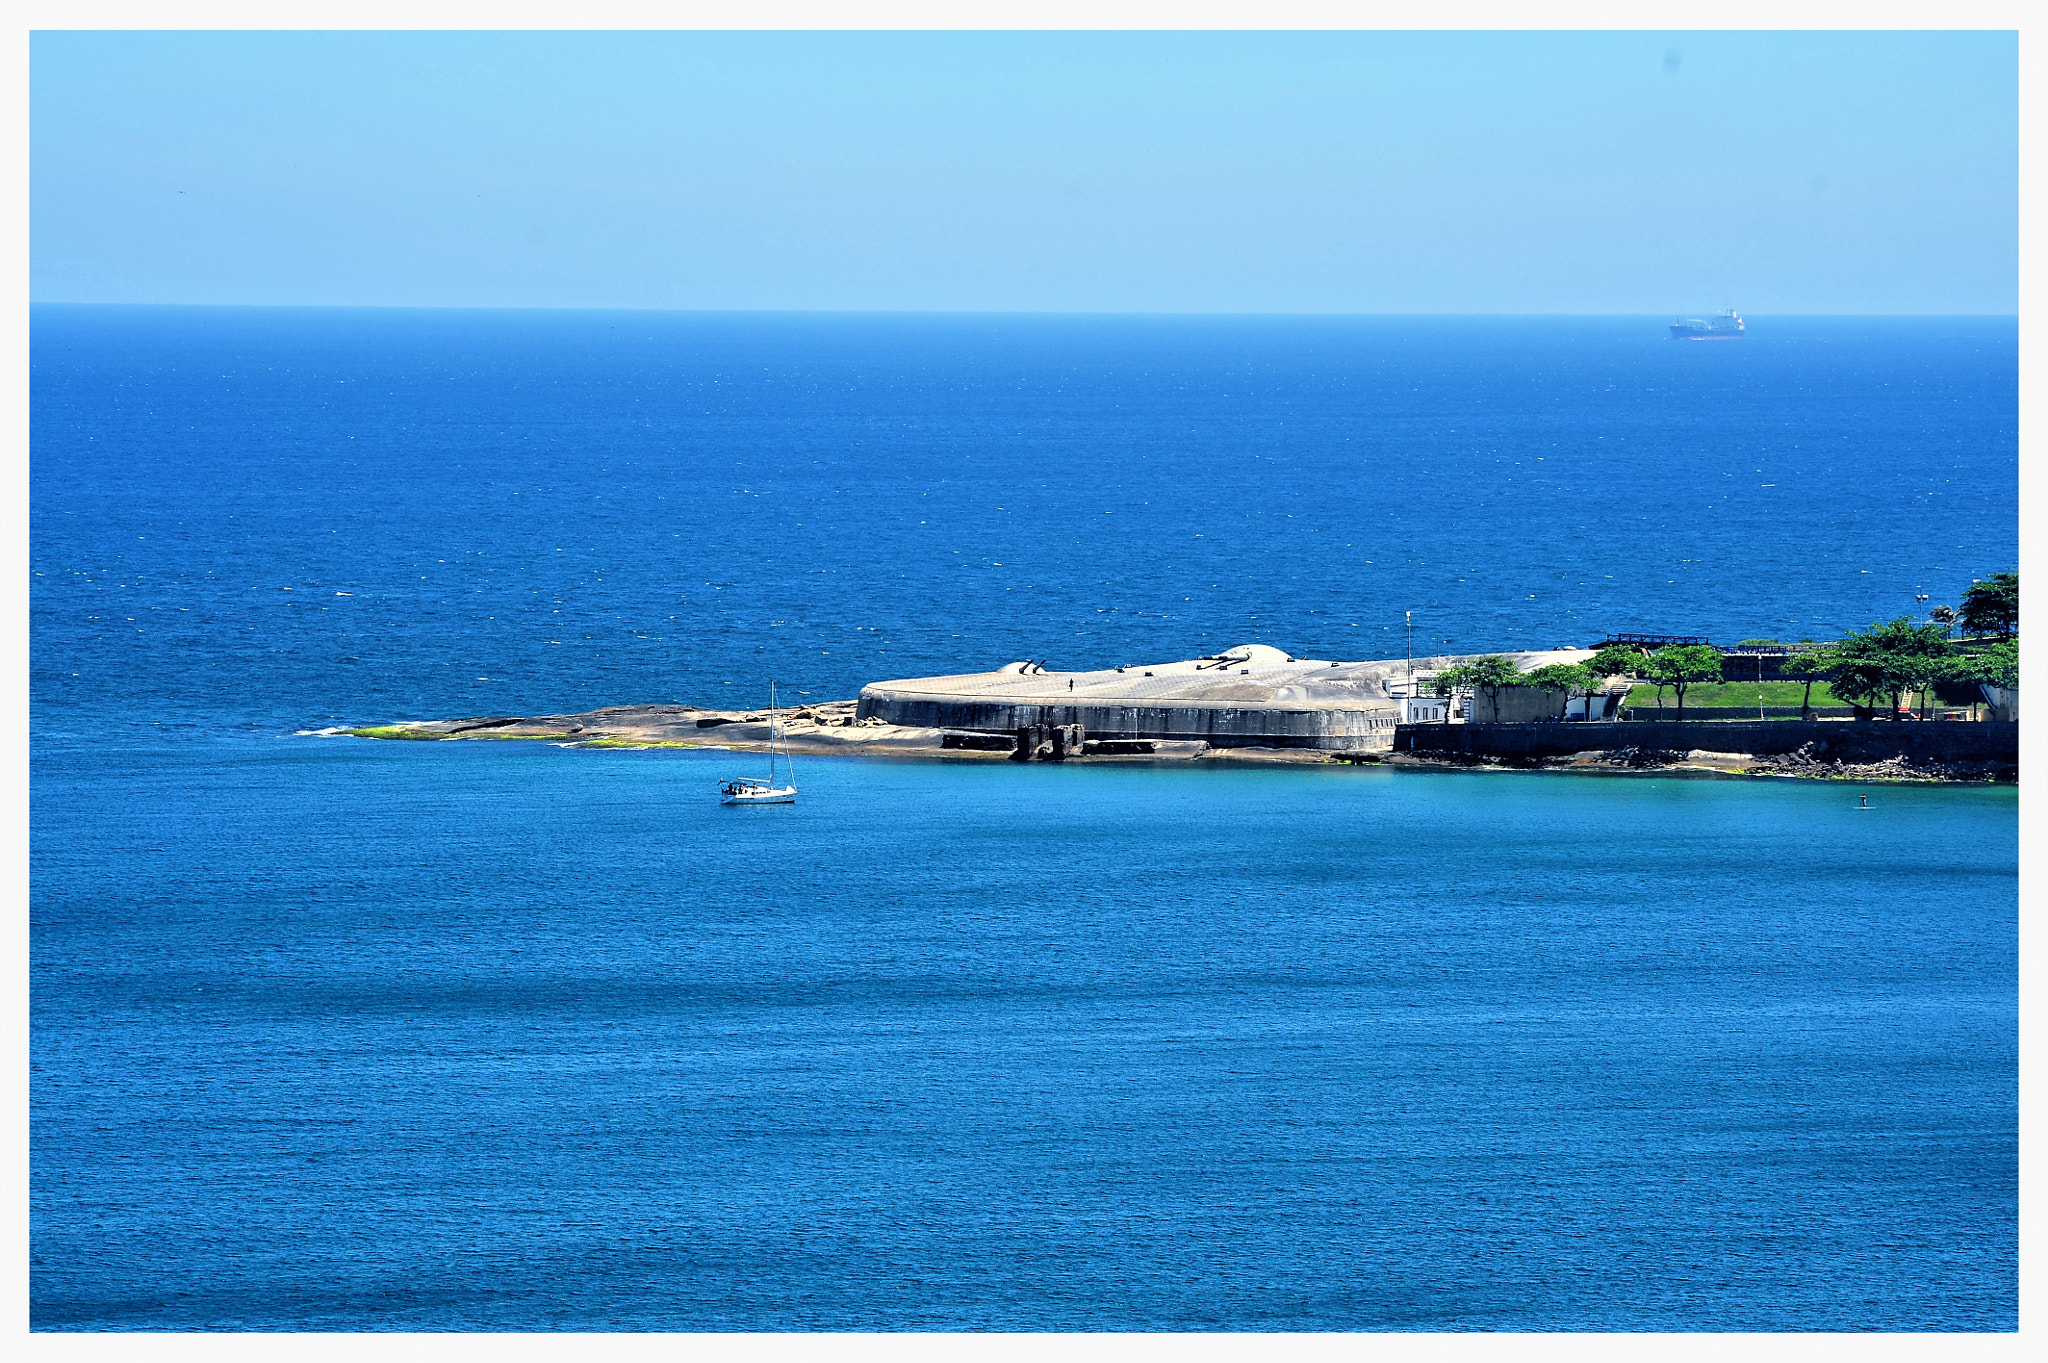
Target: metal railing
[{"x": 1653, "y": 640}]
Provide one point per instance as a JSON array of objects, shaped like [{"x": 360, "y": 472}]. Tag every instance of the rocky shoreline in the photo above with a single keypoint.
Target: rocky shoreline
[
  {"x": 830, "y": 728},
  {"x": 1643, "y": 761}
]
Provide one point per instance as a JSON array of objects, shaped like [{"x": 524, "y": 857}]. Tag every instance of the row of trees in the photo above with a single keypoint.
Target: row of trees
[
  {"x": 1891, "y": 661},
  {"x": 1885, "y": 662},
  {"x": 1678, "y": 667}
]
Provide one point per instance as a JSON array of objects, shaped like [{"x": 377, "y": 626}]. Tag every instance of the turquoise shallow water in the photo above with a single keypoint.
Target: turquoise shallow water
[
  {"x": 328, "y": 1033},
  {"x": 379, "y": 1035}
]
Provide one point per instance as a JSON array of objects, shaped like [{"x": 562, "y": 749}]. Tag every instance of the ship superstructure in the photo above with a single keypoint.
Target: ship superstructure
[{"x": 1725, "y": 326}]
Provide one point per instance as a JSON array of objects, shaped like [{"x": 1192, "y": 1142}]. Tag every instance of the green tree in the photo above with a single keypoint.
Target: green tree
[
  {"x": 1993, "y": 605},
  {"x": 1859, "y": 679},
  {"x": 1809, "y": 663},
  {"x": 1998, "y": 665},
  {"x": 1570, "y": 678},
  {"x": 1617, "y": 660},
  {"x": 1680, "y": 665},
  {"x": 1892, "y": 660},
  {"x": 1594, "y": 684},
  {"x": 1924, "y": 657},
  {"x": 1622, "y": 660},
  {"x": 1913, "y": 674},
  {"x": 1486, "y": 677}
]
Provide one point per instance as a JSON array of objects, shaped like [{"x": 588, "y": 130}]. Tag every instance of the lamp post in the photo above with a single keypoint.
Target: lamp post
[{"x": 1410, "y": 615}]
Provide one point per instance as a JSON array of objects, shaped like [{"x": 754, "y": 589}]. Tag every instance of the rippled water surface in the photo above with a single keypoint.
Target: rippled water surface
[{"x": 335, "y": 1034}]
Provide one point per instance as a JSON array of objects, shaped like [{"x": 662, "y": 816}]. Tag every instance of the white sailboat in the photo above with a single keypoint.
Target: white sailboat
[{"x": 746, "y": 790}]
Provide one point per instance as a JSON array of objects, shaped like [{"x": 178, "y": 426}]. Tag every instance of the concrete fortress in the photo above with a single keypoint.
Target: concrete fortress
[{"x": 1251, "y": 696}]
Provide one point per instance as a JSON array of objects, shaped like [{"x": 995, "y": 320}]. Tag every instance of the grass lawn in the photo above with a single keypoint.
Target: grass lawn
[{"x": 1735, "y": 693}]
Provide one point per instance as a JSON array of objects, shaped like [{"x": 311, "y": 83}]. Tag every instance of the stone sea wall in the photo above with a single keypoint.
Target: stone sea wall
[{"x": 1851, "y": 742}]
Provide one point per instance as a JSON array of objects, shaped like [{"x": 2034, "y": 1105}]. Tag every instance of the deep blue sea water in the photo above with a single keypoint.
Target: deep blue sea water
[{"x": 336, "y": 1034}]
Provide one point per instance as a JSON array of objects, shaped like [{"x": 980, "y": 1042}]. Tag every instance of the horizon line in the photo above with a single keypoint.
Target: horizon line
[{"x": 942, "y": 312}]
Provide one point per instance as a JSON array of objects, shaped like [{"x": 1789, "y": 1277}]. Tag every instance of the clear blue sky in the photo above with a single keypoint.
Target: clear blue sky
[{"x": 1584, "y": 173}]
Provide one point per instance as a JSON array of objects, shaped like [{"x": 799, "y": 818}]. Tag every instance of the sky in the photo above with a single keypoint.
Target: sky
[{"x": 1658, "y": 173}]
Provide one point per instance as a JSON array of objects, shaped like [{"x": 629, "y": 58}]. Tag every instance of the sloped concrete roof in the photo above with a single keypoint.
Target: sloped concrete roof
[{"x": 1252, "y": 677}]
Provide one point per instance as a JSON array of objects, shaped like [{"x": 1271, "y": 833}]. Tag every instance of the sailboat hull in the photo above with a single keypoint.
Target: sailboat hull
[{"x": 783, "y": 795}]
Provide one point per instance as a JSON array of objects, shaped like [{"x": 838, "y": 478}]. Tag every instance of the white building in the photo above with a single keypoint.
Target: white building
[
  {"x": 1253, "y": 695},
  {"x": 1425, "y": 709}
]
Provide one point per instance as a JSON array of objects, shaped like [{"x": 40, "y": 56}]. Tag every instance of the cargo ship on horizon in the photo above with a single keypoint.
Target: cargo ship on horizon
[{"x": 1725, "y": 327}]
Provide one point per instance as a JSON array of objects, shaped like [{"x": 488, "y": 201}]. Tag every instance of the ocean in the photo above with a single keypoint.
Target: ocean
[{"x": 343, "y": 1035}]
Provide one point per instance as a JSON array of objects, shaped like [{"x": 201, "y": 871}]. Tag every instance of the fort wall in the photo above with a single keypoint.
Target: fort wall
[{"x": 1851, "y": 741}]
